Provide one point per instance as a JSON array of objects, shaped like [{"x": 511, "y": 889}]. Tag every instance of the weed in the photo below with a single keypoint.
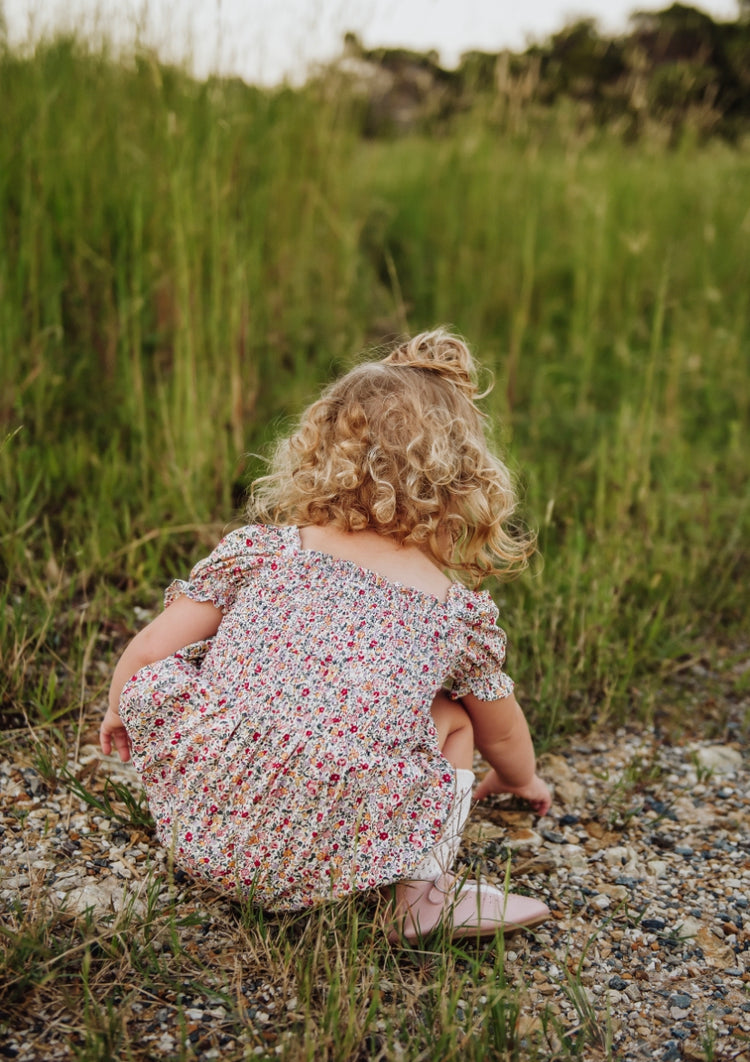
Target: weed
[
  {"x": 703, "y": 773},
  {"x": 132, "y": 809}
]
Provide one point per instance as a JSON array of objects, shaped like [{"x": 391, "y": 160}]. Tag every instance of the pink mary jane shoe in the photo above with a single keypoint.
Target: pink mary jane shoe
[{"x": 464, "y": 908}]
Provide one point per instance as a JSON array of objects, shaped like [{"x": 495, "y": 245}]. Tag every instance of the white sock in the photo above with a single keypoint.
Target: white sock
[{"x": 439, "y": 859}]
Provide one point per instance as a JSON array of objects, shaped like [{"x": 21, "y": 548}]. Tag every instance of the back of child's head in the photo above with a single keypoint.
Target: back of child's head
[{"x": 398, "y": 446}]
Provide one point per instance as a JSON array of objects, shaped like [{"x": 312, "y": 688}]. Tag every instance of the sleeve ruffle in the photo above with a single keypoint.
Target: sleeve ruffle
[
  {"x": 480, "y": 666},
  {"x": 219, "y": 577}
]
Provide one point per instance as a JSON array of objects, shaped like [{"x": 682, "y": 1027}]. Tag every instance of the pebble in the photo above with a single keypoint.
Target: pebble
[
  {"x": 722, "y": 759},
  {"x": 657, "y": 868},
  {"x": 648, "y": 878},
  {"x": 656, "y": 924},
  {"x": 689, "y": 927}
]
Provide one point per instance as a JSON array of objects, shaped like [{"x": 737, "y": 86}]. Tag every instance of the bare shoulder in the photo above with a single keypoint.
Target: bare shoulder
[
  {"x": 417, "y": 570},
  {"x": 399, "y": 564}
]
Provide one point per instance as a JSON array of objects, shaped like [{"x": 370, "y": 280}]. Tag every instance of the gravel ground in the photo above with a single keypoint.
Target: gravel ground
[{"x": 644, "y": 860}]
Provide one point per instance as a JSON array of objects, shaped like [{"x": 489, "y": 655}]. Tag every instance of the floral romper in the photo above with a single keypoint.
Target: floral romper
[{"x": 293, "y": 755}]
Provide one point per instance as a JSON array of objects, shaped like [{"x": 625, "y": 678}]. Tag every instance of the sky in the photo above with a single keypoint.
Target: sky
[{"x": 266, "y": 41}]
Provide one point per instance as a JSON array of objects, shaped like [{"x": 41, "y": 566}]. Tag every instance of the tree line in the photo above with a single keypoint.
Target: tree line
[{"x": 676, "y": 67}]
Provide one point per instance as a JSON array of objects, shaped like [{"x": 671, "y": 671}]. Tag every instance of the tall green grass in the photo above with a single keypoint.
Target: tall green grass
[{"x": 183, "y": 264}]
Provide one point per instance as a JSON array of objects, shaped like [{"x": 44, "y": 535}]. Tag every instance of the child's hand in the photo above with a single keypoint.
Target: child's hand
[
  {"x": 112, "y": 732},
  {"x": 536, "y": 792}
]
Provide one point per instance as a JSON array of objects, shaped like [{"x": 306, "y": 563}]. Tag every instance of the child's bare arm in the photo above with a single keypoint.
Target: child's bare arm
[
  {"x": 501, "y": 734},
  {"x": 185, "y": 621}
]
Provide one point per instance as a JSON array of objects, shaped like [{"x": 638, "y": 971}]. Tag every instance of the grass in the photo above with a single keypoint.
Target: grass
[
  {"x": 165, "y": 308},
  {"x": 322, "y": 986},
  {"x": 182, "y": 265}
]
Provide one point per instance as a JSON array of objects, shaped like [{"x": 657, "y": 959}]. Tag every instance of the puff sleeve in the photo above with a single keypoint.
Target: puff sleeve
[
  {"x": 481, "y": 655},
  {"x": 219, "y": 577}
]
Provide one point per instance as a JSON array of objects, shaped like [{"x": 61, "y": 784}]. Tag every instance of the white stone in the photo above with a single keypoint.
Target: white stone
[
  {"x": 621, "y": 856},
  {"x": 722, "y": 759},
  {"x": 574, "y": 856},
  {"x": 689, "y": 927},
  {"x": 104, "y": 896},
  {"x": 556, "y": 770},
  {"x": 657, "y": 868},
  {"x": 15, "y": 881}
]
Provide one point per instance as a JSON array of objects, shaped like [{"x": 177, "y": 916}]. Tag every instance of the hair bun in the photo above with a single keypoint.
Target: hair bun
[{"x": 438, "y": 351}]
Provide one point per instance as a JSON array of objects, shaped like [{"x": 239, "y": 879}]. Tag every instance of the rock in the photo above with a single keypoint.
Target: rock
[
  {"x": 722, "y": 759},
  {"x": 15, "y": 881},
  {"x": 522, "y": 838},
  {"x": 716, "y": 953},
  {"x": 573, "y": 856},
  {"x": 481, "y": 831},
  {"x": 689, "y": 927},
  {"x": 621, "y": 856},
  {"x": 616, "y": 892},
  {"x": 552, "y": 836},
  {"x": 104, "y": 896},
  {"x": 567, "y": 790},
  {"x": 657, "y": 868}
]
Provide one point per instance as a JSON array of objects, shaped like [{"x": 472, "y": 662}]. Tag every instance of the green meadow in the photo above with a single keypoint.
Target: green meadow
[{"x": 184, "y": 264}]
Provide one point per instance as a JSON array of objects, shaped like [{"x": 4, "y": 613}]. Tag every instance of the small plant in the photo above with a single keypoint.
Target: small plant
[
  {"x": 703, "y": 773},
  {"x": 708, "y": 1038},
  {"x": 116, "y": 801}
]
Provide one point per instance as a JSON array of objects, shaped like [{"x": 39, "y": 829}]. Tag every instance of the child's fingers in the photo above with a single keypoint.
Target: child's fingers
[
  {"x": 122, "y": 744},
  {"x": 118, "y": 738}
]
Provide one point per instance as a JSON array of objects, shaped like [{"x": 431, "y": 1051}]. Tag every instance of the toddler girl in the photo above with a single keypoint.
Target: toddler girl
[{"x": 304, "y": 712}]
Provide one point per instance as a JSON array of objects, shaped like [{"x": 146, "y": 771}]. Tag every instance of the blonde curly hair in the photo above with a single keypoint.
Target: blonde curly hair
[{"x": 398, "y": 446}]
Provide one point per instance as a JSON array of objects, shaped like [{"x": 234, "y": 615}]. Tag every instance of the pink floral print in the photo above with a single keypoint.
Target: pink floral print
[{"x": 293, "y": 756}]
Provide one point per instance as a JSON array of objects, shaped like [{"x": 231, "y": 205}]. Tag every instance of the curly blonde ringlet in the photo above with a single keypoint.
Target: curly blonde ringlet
[{"x": 398, "y": 446}]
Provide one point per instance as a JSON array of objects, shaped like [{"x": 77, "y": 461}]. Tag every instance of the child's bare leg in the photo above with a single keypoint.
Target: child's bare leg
[
  {"x": 455, "y": 732},
  {"x": 456, "y": 738},
  {"x": 433, "y": 896}
]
